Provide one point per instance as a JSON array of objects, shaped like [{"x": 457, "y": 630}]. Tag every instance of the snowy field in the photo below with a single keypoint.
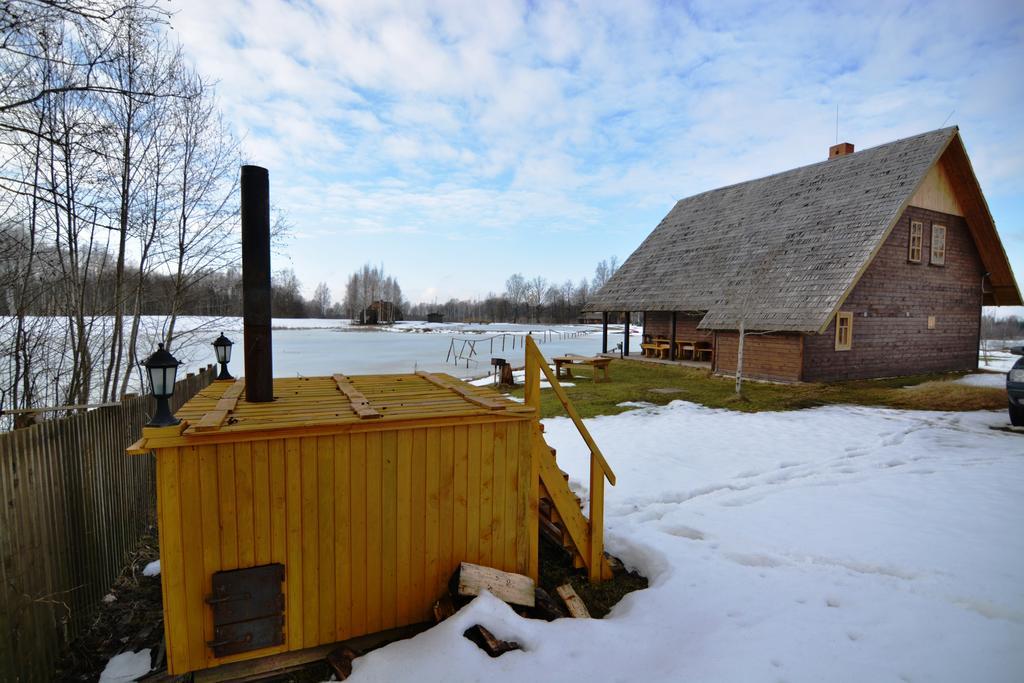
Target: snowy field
[
  {"x": 313, "y": 346},
  {"x": 834, "y": 544}
]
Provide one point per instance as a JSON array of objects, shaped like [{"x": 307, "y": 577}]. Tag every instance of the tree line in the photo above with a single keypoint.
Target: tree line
[{"x": 533, "y": 299}]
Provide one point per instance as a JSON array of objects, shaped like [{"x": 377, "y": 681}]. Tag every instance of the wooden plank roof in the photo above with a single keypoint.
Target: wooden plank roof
[
  {"x": 784, "y": 251},
  {"x": 336, "y": 402}
]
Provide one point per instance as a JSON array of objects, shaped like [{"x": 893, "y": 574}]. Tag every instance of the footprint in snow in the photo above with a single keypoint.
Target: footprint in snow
[
  {"x": 832, "y": 602},
  {"x": 854, "y": 635},
  {"x": 753, "y": 560},
  {"x": 683, "y": 531}
]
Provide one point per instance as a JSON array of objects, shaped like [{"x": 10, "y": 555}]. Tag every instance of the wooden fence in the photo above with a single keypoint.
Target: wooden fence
[{"x": 72, "y": 505}]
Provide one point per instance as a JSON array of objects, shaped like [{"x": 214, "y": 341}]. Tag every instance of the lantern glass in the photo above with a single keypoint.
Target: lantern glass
[
  {"x": 162, "y": 380},
  {"x": 162, "y": 368}
]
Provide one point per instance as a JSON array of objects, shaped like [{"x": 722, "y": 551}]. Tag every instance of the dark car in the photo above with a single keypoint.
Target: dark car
[{"x": 1015, "y": 388}]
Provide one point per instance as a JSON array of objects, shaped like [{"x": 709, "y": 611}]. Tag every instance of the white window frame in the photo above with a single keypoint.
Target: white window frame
[
  {"x": 938, "y": 245},
  {"x": 840, "y": 344},
  {"x": 916, "y": 241}
]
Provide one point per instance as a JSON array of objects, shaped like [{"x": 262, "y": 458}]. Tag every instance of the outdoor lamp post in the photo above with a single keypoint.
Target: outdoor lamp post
[
  {"x": 223, "y": 348},
  {"x": 162, "y": 368}
]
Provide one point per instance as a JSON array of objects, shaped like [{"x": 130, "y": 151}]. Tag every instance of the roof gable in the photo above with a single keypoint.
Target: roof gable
[{"x": 779, "y": 252}]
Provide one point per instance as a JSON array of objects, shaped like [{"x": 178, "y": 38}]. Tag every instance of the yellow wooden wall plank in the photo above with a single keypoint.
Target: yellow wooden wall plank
[
  {"x": 433, "y": 482},
  {"x": 278, "y": 503},
  {"x": 342, "y": 540},
  {"x": 175, "y": 599},
  {"x": 374, "y": 468},
  {"x": 358, "y": 553},
  {"x": 310, "y": 545},
  {"x": 389, "y": 530},
  {"x": 446, "y": 495},
  {"x": 523, "y": 495},
  {"x": 499, "y": 492},
  {"x": 460, "y": 473},
  {"x": 226, "y": 503},
  {"x": 486, "y": 511},
  {"x": 510, "y": 516},
  {"x": 403, "y": 497},
  {"x": 210, "y": 512},
  {"x": 244, "y": 505},
  {"x": 325, "y": 536},
  {"x": 418, "y": 512},
  {"x": 192, "y": 554},
  {"x": 261, "y": 500},
  {"x": 473, "y": 494},
  {"x": 293, "y": 568}
]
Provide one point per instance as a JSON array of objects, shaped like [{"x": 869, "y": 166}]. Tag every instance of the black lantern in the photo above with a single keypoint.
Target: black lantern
[
  {"x": 223, "y": 348},
  {"x": 162, "y": 368}
]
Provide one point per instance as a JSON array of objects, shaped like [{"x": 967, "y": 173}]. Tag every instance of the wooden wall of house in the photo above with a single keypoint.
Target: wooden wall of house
[
  {"x": 765, "y": 356},
  {"x": 659, "y": 324},
  {"x": 891, "y": 305}
]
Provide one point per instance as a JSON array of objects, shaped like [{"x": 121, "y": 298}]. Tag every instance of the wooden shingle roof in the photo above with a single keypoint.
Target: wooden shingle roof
[{"x": 780, "y": 251}]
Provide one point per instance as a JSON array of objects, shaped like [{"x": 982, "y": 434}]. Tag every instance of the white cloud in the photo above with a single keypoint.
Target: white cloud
[{"x": 521, "y": 122}]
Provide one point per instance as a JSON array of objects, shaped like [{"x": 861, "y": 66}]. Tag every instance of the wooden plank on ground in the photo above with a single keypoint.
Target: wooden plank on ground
[
  {"x": 469, "y": 579},
  {"x": 573, "y": 601}
]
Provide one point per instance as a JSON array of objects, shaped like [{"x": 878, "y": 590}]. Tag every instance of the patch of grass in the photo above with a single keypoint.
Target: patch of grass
[
  {"x": 556, "y": 568},
  {"x": 634, "y": 381}
]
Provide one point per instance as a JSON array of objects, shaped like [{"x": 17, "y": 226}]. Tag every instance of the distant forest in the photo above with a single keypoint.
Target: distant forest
[{"x": 1011, "y": 327}]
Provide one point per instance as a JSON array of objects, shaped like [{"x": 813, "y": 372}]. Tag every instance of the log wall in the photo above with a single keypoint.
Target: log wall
[
  {"x": 659, "y": 324},
  {"x": 774, "y": 357},
  {"x": 892, "y": 303}
]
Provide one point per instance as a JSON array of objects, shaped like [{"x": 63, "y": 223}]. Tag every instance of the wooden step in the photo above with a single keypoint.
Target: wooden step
[{"x": 552, "y": 532}]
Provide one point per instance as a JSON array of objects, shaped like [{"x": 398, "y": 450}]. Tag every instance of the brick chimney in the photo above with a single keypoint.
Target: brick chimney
[{"x": 840, "y": 150}]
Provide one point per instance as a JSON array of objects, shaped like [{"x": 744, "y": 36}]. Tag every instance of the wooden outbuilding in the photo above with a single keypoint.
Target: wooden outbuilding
[
  {"x": 342, "y": 507},
  {"x": 379, "y": 313},
  {"x": 435, "y": 317},
  {"x": 869, "y": 264}
]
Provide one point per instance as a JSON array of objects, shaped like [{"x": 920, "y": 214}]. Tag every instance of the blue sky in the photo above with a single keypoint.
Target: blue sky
[{"x": 459, "y": 142}]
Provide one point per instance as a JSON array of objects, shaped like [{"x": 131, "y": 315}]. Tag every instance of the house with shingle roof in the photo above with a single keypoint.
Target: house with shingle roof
[{"x": 870, "y": 264}]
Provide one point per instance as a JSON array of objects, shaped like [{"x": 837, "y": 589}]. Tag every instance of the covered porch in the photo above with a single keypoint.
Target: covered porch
[{"x": 668, "y": 337}]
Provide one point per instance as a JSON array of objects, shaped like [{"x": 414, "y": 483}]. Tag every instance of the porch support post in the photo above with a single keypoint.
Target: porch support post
[
  {"x": 672, "y": 348},
  {"x": 625, "y": 336},
  {"x": 604, "y": 331}
]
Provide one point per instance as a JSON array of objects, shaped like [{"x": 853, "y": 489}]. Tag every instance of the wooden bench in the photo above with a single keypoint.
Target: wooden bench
[
  {"x": 659, "y": 349},
  {"x": 599, "y": 363}
]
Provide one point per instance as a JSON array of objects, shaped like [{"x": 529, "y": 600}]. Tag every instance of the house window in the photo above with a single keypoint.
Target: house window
[
  {"x": 931, "y": 322},
  {"x": 916, "y": 239},
  {"x": 844, "y": 331},
  {"x": 938, "y": 244}
]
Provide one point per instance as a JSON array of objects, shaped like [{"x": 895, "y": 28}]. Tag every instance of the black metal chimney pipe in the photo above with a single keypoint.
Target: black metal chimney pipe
[{"x": 259, "y": 366}]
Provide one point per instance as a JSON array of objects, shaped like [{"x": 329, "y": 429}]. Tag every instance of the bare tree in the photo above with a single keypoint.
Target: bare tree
[
  {"x": 322, "y": 299},
  {"x": 516, "y": 293}
]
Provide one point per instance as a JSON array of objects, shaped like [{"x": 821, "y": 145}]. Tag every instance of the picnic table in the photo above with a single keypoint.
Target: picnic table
[
  {"x": 695, "y": 350},
  {"x": 599, "y": 363}
]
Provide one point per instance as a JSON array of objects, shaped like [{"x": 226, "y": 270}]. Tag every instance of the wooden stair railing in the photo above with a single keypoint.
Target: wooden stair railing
[{"x": 587, "y": 535}]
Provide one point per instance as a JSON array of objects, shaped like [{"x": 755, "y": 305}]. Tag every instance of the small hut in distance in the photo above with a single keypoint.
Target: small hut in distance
[
  {"x": 379, "y": 313},
  {"x": 435, "y": 317}
]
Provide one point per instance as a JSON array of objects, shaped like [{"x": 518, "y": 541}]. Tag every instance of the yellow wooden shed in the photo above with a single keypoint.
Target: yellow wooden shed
[{"x": 342, "y": 507}]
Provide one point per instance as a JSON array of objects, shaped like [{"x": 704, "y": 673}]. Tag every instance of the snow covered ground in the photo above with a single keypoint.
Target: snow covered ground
[
  {"x": 834, "y": 544},
  {"x": 126, "y": 667}
]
